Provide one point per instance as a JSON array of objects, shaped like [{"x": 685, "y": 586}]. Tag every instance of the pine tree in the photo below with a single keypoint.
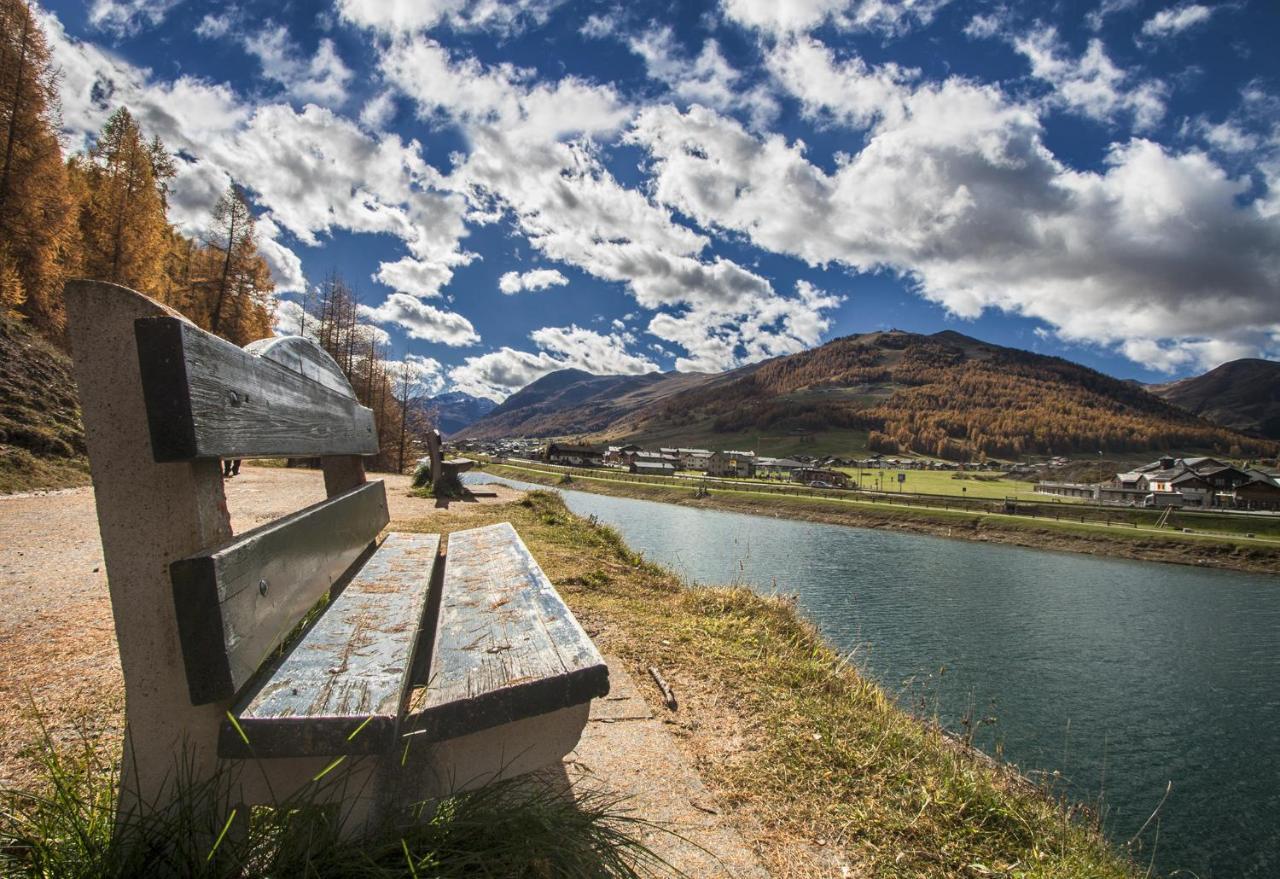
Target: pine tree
[
  {"x": 36, "y": 240},
  {"x": 122, "y": 221},
  {"x": 233, "y": 230}
]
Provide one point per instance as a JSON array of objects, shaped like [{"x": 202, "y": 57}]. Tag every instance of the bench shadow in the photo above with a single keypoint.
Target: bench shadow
[{"x": 467, "y": 497}]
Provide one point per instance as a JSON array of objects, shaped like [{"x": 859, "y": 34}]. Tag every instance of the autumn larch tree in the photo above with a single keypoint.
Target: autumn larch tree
[
  {"x": 123, "y": 222},
  {"x": 36, "y": 237}
]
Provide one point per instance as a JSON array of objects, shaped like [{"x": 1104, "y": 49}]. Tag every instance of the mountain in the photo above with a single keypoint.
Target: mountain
[
  {"x": 1243, "y": 395},
  {"x": 570, "y": 402},
  {"x": 946, "y": 394},
  {"x": 455, "y": 410}
]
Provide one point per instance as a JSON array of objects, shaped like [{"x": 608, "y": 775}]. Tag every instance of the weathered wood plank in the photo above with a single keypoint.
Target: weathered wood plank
[
  {"x": 341, "y": 689},
  {"x": 506, "y": 646},
  {"x": 207, "y": 398},
  {"x": 236, "y": 603}
]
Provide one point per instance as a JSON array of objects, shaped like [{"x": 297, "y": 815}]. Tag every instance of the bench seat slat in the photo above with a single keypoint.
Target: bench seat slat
[
  {"x": 229, "y": 622},
  {"x": 208, "y": 398},
  {"x": 341, "y": 689},
  {"x": 506, "y": 646}
]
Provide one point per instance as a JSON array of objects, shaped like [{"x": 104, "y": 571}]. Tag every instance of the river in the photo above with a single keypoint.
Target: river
[{"x": 1122, "y": 676}]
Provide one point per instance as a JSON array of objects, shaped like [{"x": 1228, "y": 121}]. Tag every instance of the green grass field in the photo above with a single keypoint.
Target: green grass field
[
  {"x": 952, "y": 484},
  {"x": 842, "y": 443},
  {"x": 1035, "y": 511}
]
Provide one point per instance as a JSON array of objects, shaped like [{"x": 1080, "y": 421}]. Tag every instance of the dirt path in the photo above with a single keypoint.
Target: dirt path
[{"x": 57, "y": 640}]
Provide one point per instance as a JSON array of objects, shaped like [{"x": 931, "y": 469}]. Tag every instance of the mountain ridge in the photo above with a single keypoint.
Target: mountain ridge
[
  {"x": 455, "y": 410},
  {"x": 1241, "y": 394},
  {"x": 945, "y": 394}
]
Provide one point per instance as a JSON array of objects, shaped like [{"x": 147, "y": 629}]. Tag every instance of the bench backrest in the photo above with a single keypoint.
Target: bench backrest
[
  {"x": 237, "y": 598},
  {"x": 208, "y": 398}
]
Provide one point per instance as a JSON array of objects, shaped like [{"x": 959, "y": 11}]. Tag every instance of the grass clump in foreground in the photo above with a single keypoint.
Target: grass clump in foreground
[
  {"x": 832, "y": 773},
  {"x": 527, "y": 827}
]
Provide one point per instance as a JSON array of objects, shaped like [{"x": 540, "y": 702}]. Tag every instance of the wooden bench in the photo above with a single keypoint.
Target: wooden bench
[{"x": 425, "y": 673}]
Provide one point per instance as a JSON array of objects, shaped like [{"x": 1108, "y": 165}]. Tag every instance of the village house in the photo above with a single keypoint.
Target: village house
[
  {"x": 780, "y": 467},
  {"x": 631, "y": 458},
  {"x": 614, "y": 456},
  {"x": 693, "y": 459},
  {"x": 732, "y": 464},
  {"x": 573, "y": 456},
  {"x": 811, "y": 475},
  {"x": 653, "y": 467},
  {"x": 1083, "y": 490},
  {"x": 1261, "y": 492},
  {"x": 1201, "y": 482}
]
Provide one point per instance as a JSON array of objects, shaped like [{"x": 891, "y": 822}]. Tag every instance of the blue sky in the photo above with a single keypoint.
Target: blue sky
[{"x": 516, "y": 187}]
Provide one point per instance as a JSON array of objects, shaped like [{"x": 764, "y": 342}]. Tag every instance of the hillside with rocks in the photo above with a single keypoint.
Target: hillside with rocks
[{"x": 41, "y": 437}]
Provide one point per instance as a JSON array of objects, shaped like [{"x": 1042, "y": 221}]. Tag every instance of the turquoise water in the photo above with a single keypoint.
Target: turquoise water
[{"x": 1122, "y": 676}]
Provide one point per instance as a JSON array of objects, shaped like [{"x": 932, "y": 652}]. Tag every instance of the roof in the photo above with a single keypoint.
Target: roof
[
  {"x": 572, "y": 450},
  {"x": 654, "y": 465},
  {"x": 1218, "y": 469},
  {"x": 1261, "y": 485},
  {"x": 1193, "y": 463}
]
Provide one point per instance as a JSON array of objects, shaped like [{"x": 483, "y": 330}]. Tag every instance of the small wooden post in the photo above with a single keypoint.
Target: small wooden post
[{"x": 437, "y": 460}]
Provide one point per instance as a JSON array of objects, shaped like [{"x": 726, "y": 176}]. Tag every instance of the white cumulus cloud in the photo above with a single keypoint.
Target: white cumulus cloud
[
  {"x": 955, "y": 191},
  {"x": 408, "y": 16},
  {"x": 800, "y": 16},
  {"x": 1091, "y": 84},
  {"x": 501, "y": 373},
  {"x": 124, "y": 17},
  {"x": 1176, "y": 19},
  {"x": 422, "y": 321},
  {"x": 537, "y": 279}
]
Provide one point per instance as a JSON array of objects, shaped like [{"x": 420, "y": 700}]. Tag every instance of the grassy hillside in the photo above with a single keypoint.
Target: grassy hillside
[
  {"x": 946, "y": 395},
  {"x": 1243, "y": 395},
  {"x": 41, "y": 438},
  {"x": 571, "y": 402}
]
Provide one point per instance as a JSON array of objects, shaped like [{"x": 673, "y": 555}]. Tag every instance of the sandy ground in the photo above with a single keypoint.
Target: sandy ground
[{"x": 59, "y": 666}]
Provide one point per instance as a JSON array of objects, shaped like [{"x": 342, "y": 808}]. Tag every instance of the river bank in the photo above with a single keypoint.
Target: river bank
[
  {"x": 1187, "y": 549},
  {"x": 818, "y": 767}
]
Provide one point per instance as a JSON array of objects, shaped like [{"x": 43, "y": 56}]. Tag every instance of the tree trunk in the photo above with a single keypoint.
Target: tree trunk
[
  {"x": 13, "y": 117},
  {"x": 404, "y": 425},
  {"x": 216, "y": 318}
]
